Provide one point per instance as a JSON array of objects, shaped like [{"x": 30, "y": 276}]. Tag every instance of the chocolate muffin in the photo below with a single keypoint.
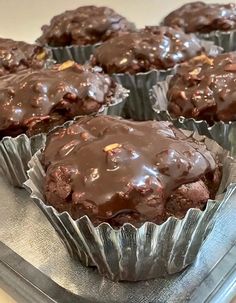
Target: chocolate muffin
[
  {"x": 120, "y": 171},
  {"x": 34, "y": 101},
  {"x": 19, "y": 55},
  {"x": 205, "y": 89},
  {"x": 154, "y": 47},
  {"x": 84, "y": 25},
  {"x": 203, "y": 18}
]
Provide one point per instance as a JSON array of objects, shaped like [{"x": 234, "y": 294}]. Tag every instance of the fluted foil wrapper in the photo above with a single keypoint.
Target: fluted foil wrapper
[
  {"x": 15, "y": 153},
  {"x": 139, "y": 106},
  {"x": 226, "y": 40},
  {"x": 223, "y": 133},
  {"x": 49, "y": 62},
  {"x": 131, "y": 253},
  {"x": 114, "y": 109},
  {"x": 80, "y": 54}
]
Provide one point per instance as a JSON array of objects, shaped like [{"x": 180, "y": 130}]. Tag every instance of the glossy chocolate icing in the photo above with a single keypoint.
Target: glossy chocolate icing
[
  {"x": 202, "y": 17},
  {"x": 117, "y": 171},
  {"x": 62, "y": 92},
  {"x": 151, "y": 48},
  {"x": 19, "y": 55},
  {"x": 205, "y": 89},
  {"x": 84, "y": 25}
]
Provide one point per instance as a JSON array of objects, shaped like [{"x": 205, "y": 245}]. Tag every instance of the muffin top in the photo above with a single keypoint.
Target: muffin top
[
  {"x": 155, "y": 47},
  {"x": 19, "y": 55},
  {"x": 84, "y": 25},
  {"x": 205, "y": 89},
  {"x": 203, "y": 18},
  {"x": 67, "y": 90},
  {"x": 117, "y": 171}
]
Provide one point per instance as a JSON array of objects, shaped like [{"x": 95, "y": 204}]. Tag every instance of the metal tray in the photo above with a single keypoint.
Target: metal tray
[{"x": 35, "y": 266}]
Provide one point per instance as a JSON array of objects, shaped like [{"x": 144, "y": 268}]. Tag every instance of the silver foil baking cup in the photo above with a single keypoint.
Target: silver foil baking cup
[
  {"x": 49, "y": 62},
  {"x": 221, "y": 132},
  {"x": 226, "y": 40},
  {"x": 131, "y": 253},
  {"x": 139, "y": 106},
  {"x": 15, "y": 153},
  {"x": 79, "y": 53}
]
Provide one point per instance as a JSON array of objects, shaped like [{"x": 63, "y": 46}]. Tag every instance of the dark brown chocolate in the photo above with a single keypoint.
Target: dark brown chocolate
[
  {"x": 203, "y": 18},
  {"x": 84, "y": 25},
  {"x": 34, "y": 101},
  {"x": 151, "y": 48},
  {"x": 19, "y": 55},
  {"x": 205, "y": 89},
  {"x": 118, "y": 171}
]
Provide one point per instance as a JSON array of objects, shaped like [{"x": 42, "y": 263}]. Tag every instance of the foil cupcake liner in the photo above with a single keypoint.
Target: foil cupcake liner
[
  {"x": 49, "y": 62},
  {"x": 226, "y": 40},
  {"x": 221, "y": 132},
  {"x": 131, "y": 253},
  {"x": 116, "y": 106},
  {"x": 139, "y": 106},
  {"x": 15, "y": 153},
  {"x": 81, "y": 54}
]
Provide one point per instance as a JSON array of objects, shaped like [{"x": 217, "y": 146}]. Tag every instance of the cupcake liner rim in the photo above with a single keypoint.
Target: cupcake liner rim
[
  {"x": 217, "y": 32},
  {"x": 210, "y": 203},
  {"x": 72, "y": 46}
]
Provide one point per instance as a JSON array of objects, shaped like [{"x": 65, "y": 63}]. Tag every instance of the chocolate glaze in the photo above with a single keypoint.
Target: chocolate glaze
[
  {"x": 151, "y": 48},
  {"x": 204, "y": 18},
  {"x": 84, "y": 25},
  {"x": 205, "y": 89},
  {"x": 54, "y": 95},
  {"x": 19, "y": 55},
  {"x": 117, "y": 171}
]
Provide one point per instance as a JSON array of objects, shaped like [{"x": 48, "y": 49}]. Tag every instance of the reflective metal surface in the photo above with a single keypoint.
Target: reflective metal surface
[{"x": 227, "y": 40}]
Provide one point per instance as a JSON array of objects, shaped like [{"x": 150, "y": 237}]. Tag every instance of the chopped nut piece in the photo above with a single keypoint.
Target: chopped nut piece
[
  {"x": 203, "y": 59},
  {"x": 41, "y": 56},
  {"x": 183, "y": 95},
  {"x": 110, "y": 147},
  {"x": 195, "y": 72},
  {"x": 230, "y": 67},
  {"x": 66, "y": 65},
  {"x": 8, "y": 57},
  {"x": 84, "y": 136}
]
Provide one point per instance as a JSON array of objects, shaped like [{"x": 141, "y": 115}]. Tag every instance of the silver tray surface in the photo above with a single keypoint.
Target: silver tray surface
[{"x": 35, "y": 253}]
